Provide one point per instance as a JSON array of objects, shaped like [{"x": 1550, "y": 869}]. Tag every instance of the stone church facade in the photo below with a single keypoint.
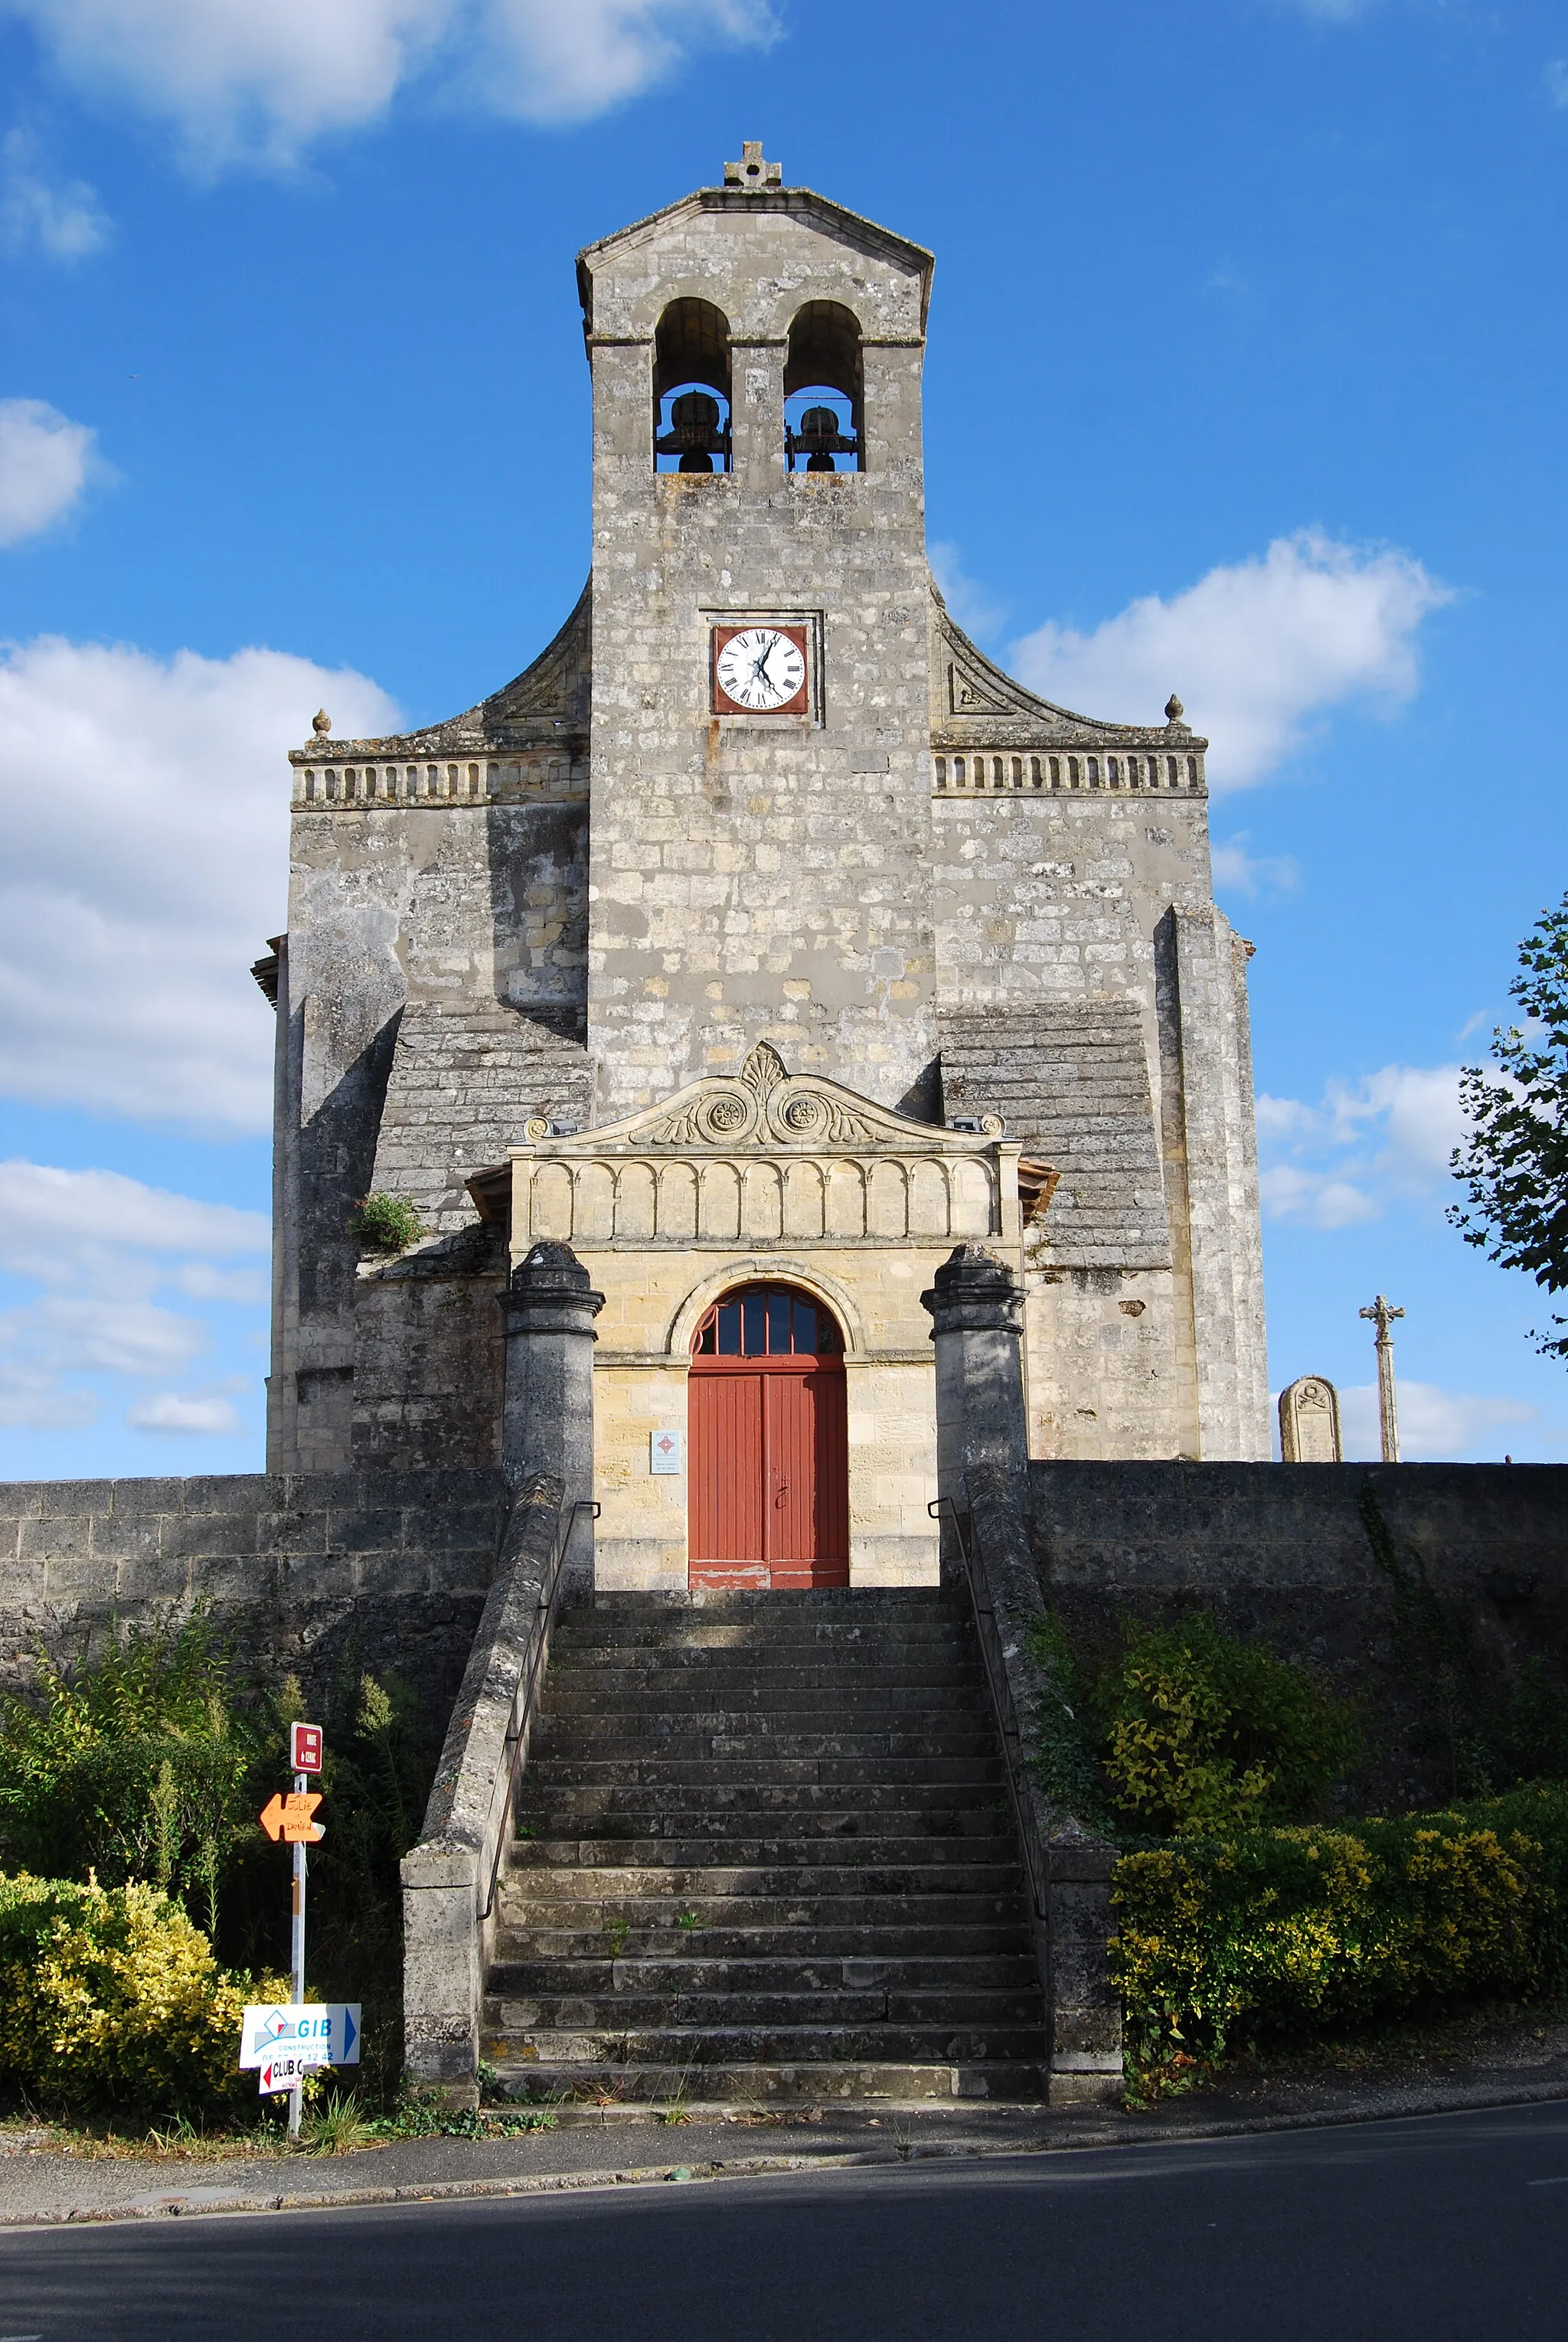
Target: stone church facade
[{"x": 762, "y": 935}]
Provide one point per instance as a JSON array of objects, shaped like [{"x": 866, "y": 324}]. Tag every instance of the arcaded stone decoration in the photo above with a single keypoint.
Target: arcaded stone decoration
[{"x": 1309, "y": 1422}]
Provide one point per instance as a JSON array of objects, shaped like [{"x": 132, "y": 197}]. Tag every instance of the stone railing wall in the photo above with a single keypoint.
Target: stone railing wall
[
  {"x": 451, "y": 1878},
  {"x": 1002, "y": 771},
  {"x": 343, "y": 788}
]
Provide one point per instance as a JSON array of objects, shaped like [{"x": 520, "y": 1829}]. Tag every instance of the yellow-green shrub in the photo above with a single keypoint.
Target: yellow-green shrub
[
  {"x": 109, "y": 1996},
  {"x": 1207, "y": 1732},
  {"x": 1283, "y": 1929}
]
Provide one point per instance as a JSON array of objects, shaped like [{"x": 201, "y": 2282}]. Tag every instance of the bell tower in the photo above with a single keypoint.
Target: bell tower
[{"x": 760, "y": 728}]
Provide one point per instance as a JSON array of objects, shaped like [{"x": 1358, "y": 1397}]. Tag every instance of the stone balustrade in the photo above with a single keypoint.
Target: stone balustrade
[
  {"x": 1001, "y": 771},
  {"x": 334, "y": 788}
]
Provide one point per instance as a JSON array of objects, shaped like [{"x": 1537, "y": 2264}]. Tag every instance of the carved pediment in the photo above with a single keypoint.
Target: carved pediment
[
  {"x": 764, "y": 1107},
  {"x": 975, "y": 700}
]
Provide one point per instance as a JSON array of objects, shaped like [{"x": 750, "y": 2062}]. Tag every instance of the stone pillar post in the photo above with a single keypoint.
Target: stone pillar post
[
  {"x": 977, "y": 1309},
  {"x": 547, "y": 1424}
]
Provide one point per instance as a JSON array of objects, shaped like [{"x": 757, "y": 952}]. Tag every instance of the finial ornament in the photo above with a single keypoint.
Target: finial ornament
[
  {"x": 752, "y": 172},
  {"x": 1175, "y": 711},
  {"x": 321, "y": 723}
]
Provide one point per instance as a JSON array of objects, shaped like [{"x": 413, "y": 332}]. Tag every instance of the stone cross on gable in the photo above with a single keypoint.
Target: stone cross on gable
[
  {"x": 1382, "y": 1312},
  {"x": 752, "y": 172}
]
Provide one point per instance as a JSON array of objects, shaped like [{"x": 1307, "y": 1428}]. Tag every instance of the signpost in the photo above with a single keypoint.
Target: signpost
[
  {"x": 314, "y": 2033},
  {"x": 290, "y": 1818}
]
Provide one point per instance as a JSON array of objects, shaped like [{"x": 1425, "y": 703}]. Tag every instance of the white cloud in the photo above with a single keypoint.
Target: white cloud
[
  {"x": 1434, "y": 1425},
  {"x": 102, "y": 1245},
  {"x": 1416, "y": 1109},
  {"x": 540, "y": 61},
  {"x": 144, "y": 803},
  {"x": 62, "y": 1226},
  {"x": 240, "y": 82},
  {"x": 1367, "y": 1143},
  {"x": 976, "y": 611},
  {"x": 45, "y": 462},
  {"x": 85, "y": 1333},
  {"x": 1556, "y": 78},
  {"x": 33, "y": 1399},
  {"x": 1258, "y": 650},
  {"x": 1241, "y": 873},
  {"x": 1289, "y": 1192},
  {"x": 64, "y": 222},
  {"x": 170, "y": 1412}
]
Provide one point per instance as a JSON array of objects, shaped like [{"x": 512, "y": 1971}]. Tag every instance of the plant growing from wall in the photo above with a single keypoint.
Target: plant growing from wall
[
  {"x": 1063, "y": 1751},
  {"x": 135, "y": 1767},
  {"x": 1204, "y": 1732},
  {"x": 385, "y": 1224},
  {"x": 1490, "y": 1732}
]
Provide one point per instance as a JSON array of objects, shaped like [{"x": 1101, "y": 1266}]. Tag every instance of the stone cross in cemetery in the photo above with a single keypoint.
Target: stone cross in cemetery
[{"x": 1381, "y": 1312}]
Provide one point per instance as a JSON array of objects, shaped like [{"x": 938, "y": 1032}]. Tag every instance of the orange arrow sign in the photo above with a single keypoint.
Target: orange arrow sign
[{"x": 290, "y": 1817}]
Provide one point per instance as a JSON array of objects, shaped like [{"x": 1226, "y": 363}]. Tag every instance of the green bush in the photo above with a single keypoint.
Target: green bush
[
  {"x": 385, "y": 1222},
  {"x": 1278, "y": 1930},
  {"x": 1206, "y": 1733},
  {"x": 151, "y": 1763},
  {"x": 110, "y": 1997},
  {"x": 136, "y": 1766}
]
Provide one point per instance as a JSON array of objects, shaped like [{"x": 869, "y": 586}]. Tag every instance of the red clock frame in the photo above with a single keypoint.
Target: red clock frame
[{"x": 725, "y": 705}]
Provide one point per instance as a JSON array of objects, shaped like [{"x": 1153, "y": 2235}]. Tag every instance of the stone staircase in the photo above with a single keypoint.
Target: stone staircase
[{"x": 765, "y": 1856}]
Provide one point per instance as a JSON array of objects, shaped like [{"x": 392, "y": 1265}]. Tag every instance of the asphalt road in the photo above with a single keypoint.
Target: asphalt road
[{"x": 1447, "y": 2228}]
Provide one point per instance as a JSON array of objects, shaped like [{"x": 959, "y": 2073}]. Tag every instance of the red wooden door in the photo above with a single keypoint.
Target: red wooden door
[{"x": 768, "y": 1445}]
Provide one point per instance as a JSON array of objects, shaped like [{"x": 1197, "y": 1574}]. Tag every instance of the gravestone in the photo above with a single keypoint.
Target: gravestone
[{"x": 1309, "y": 1422}]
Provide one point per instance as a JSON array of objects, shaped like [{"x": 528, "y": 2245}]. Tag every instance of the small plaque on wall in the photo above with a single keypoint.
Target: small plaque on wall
[{"x": 665, "y": 1451}]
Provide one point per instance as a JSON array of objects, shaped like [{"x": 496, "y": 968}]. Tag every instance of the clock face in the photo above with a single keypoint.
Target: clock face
[{"x": 760, "y": 670}]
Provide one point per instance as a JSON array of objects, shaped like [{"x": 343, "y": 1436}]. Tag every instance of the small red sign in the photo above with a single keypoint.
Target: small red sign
[{"x": 304, "y": 1747}]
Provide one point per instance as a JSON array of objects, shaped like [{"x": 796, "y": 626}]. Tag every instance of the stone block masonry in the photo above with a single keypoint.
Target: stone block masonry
[
  {"x": 319, "y": 1572},
  {"x": 1281, "y": 1552}
]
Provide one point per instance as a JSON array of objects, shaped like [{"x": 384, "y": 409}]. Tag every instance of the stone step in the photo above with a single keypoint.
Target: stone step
[
  {"x": 776, "y": 1611},
  {"x": 852, "y": 1772},
  {"x": 604, "y": 1643},
  {"x": 589, "y": 1691},
  {"x": 775, "y": 1863},
  {"x": 559, "y": 1817},
  {"x": 552, "y": 1737},
  {"x": 726, "y": 2012},
  {"x": 803, "y": 1946},
  {"x": 837, "y": 2083},
  {"x": 825, "y": 1855},
  {"x": 647, "y": 1900},
  {"x": 782, "y": 2045},
  {"x": 900, "y": 1807},
  {"x": 600, "y": 1976},
  {"x": 795, "y": 1706}
]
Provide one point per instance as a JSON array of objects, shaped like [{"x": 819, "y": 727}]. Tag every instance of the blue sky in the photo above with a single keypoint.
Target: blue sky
[{"x": 1245, "y": 380}]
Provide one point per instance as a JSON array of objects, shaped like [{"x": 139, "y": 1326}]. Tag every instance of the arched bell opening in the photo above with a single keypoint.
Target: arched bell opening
[
  {"x": 824, "y": 387},
  {"x": 768, "y": 1443},
  {"x": 692, "y": 389}
]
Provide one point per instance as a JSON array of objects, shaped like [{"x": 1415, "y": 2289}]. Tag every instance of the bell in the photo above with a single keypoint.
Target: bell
[
  {"x": 694, "y": 422},
  {"x": 695, "y": 460},
  {"x": 819, "y": 424}
]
